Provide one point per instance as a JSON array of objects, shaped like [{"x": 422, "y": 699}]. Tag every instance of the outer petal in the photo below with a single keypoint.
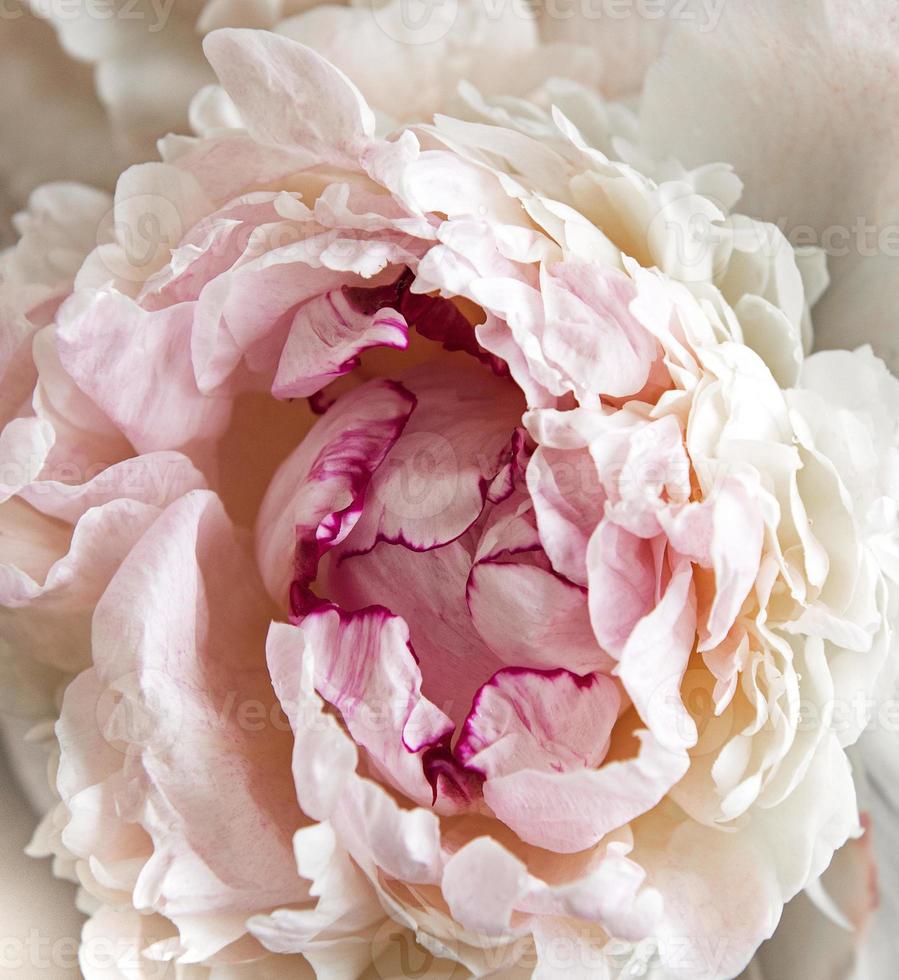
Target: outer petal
[
  {"x": 375, "y": 830},
  {"x": 117, "y": 353},
  {"x": 590, "y": 333},
  {"x": 625, "y": 579},
  {"x": 724, "y": 891},
  {"x": 59, "y": 550},
  {"x": 178, "y": 647},
  {"x": 568, "y": 500},
  {"x": 290, "y": 95},
  {"x": 336, "y": 936},
  {"x": 655, "y": 657}
]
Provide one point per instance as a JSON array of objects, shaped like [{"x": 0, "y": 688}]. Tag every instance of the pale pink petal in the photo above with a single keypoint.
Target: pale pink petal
[
  {"x": 482, "y": 883},
  {"x": 625, "y": 39},
  {"x": 568, "y": 501},
  {"x": 376, "y": 831},
  {"x": 245, "y": 313},
  {"x": 736, "y": 552},
  {"x": 570, "y": 811},
  {"x": 531, "y": 617},
  {"x": 590, "y": 333},
  {"x": 178, "y": 641},
  {"x": 344, "y": 915},
  {"x": 287, "y": 94},
  {"x": 118, "y": 354},
  {"x": 154, "y": 478},
  {"x": 59, "y": 550},
  {"x": 652, "y": 662},
  {"x": 624, "y": 583},
  {"x": 17, "y": 372},
  {"x": 24, "y": 446}
]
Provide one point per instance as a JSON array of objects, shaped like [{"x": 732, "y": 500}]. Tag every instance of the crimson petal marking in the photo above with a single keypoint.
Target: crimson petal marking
[
  {"x": 366, "y": 668},
  {"x": 316, "y": 496},
  {"x": 542, "y": 720},
  {"x": 326, "y": 338},
  {"x": 432, "y": 316},
  {"x": 435, "y": 479}
]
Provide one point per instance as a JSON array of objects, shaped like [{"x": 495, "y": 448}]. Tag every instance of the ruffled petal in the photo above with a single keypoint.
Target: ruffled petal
[
  {"x": 433, "y": 483},
  {"x": 570, "y": 811},
  {"x": 178, "y": 646},
  {"x": 117, "y": 353},
  {"x": 366, "y": 668},
  {"x": 548, "y": 721},
  {"x": 315, "y": 498}
]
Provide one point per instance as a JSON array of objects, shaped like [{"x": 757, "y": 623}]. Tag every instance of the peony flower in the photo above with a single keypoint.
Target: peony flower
[{"x": 455, "y": 546}]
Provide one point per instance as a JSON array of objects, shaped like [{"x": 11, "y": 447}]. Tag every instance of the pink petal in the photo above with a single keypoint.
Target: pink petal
[
  {"x": 433, "y": 483},
  {"x": 117, "y": 353},
  {"x": 530, "y": 617},
  {"x": 570, "y": 811},
  {"x": 654, "y": 658},
  {"x": 590, "y": 333},
  {"x": 179, "y": 639},
  {"x": 378, "y": 833},
  {"x": 482, "y": 883},
  {"x": 548, "y": 721},
  {"x": 164, "y": 716},
  {"x": 428, "y": 590},
  {"x": 315, "y": 498},
  {"x": 624, "y": 583},
  {"x": 52, "y": 576},
  {"x": 365, "y": 667},
  {"x": 326, "y": 338},
  {"x": 568, "y": 500}
]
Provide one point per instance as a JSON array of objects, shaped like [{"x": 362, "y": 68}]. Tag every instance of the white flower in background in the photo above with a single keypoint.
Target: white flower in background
[
  {"x": 53, "y": 126},
  {"x": 802, "y": 99},
  {"x": 406, "y": 56}
]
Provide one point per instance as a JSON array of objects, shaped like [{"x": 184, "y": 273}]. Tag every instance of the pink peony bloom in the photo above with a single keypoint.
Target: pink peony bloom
[{"x": 450, "y": 544}]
